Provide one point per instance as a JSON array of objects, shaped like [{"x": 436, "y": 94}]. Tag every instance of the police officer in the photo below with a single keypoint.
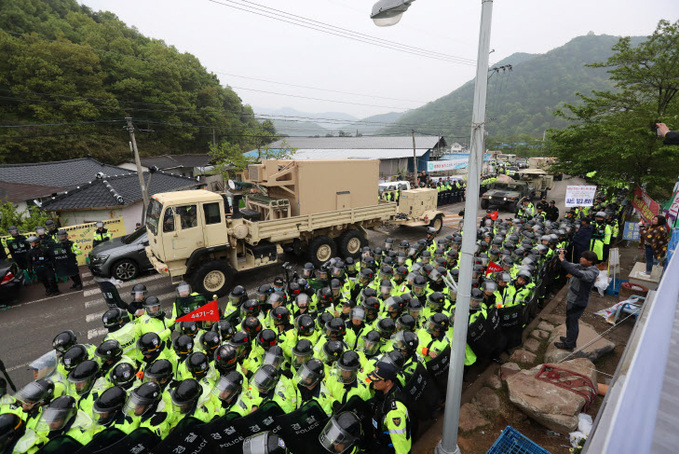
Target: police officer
[
  {"x": 18, "y": 247},
  {"x": 342, "y": 433},
  {"x": 100, "y": 235},
  {"x": 390, "y": 415},
  {"x": 51, "y": 229},
  {"x": 41, "y": 261},
  {"x": 107, "y": 412},
  {"x": 65, "y": 254},
  {"x": 46, "y": 241},
  {"x": 143, "y": 405},
  {"x": 186, "y": 301}
]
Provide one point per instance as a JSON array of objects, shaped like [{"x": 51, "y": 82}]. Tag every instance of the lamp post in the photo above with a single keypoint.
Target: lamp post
[{"x": 389, "y": 12}]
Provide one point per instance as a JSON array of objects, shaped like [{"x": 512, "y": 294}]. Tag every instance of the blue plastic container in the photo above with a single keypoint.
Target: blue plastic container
[
  {"x": 511, "y": 441},
  {"x": 615, "y": 290}
]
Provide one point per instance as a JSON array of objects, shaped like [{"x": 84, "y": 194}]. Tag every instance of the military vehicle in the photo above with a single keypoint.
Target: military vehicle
[
  {"x": 529, "y": 183},
  {"x": 318, "y": 207}
]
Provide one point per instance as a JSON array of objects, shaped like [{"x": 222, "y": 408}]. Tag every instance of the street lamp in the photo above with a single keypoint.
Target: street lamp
[{"x": 389, "y": 12}]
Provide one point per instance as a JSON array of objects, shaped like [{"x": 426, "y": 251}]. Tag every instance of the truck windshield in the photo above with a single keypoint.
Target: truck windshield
[{"x": 153, "y": 215}]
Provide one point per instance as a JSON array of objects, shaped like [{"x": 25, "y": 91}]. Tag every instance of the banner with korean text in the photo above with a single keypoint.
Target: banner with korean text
[
  {"x": 645, "y": 205},
  {"x": 580, "y": 196}
]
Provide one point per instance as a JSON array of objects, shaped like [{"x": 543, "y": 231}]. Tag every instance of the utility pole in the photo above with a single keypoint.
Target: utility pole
[
  {"x": 414, "y": 159},
  {"x": 142, "y": 184}
]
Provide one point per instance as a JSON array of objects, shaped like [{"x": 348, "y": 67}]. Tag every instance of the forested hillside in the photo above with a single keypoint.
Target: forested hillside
[
  {"x": 521, "y": 101},
  {"x": 81, "y": 72}
]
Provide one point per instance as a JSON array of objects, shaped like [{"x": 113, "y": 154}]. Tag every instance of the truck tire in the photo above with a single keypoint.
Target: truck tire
[
  {"x": 214, "y": 277},
  {"x": 350, "y": 244},
  {"x": 437, "y": 223},
  {"x": 484, "y": 203},
  {"x": 321, "y": 249}
]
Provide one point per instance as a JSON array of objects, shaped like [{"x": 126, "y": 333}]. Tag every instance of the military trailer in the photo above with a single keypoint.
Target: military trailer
[
  {"x": 318, "y": 207},
  {"x": 417, "y": 207},
  {"x": 538, "y": 181}
]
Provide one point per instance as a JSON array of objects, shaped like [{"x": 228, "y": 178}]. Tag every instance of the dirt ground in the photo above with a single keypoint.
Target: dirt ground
[{"x": 480, "y": 440}]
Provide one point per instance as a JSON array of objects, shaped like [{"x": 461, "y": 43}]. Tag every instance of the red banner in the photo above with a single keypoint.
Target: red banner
[
  {"x": 206, "y": 312},
  {"x": 493, "y": 267},
  {"x": 493, "y": 215},
  {"x": 645, "y": 205}
]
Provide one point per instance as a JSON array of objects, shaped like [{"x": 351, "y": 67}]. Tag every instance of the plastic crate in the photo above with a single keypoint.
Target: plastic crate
[{"x": 511, "y": 441}]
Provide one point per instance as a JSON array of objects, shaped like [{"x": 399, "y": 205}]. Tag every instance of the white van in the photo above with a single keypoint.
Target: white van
[{"x": 393, "y": 185}]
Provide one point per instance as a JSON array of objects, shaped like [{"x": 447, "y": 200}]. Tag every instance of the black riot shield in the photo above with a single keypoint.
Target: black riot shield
[
  {"x": 300, "y": 428},
  {"x": 141, "y": 441},
  {"x": 511, "y": 316},
  {"x": 222, "y": 436},
  {"x": 111, "y": 295},
  {"x": 480, "y": 338},
  {"x": 264, "y": 418},
  {"x": 185, "y": 437},
  {"x": 103, "y": 441},
  {"x": 438, "y": 370},
  {"x": 65, "y": 265},
  {"x": 421, "y": 394},
  {"x": 363, "y": 409},
  {"x": 63, "y": 444}
]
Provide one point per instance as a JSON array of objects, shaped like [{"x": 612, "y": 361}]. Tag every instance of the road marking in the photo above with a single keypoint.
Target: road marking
[
  {"x": 88, "y": 283},
  {"x": 92, "y": 317},
  {"x": 142, "y": 280},
  {"x": 10, "y": 369},
  {"x": 96, "y": 333}
]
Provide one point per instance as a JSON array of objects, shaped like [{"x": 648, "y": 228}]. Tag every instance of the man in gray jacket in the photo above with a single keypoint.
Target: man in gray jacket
[{"x": 580, "y": 287}]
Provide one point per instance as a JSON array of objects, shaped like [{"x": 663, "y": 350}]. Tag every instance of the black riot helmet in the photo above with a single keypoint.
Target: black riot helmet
[
  {"x": 224, "y": 328},
  {"x": 238, "y": 295},
  {"x": 263, "y": 293},
  {"x": 74, "y": 356},
  {"x": 109, "y": 350},
  {"x": 252, "y": 326},
  {"x": 210, "y": 341},
  {"x": 267, "y": 338},
  {"x": 138, "y": 292},
  {"x": 372, "y": 343},
  {"x": 386, "y": 327},
  {"x": 185, "y": 396},
  {"x": 183, "y": 346},
  {"x": 305, "y": 325},
  {"x": 108, "y": 405},
  {"x": 347, "y": 367},
  {"x": 226, "y": 358},
  {"x": 310, "y": 374},
  {"x": 83, "y": 376},
  {"x": 123, "y": 374},
  {"x": 57, "y": 415},
  {"x": 149, "y": 345},
  {"x": 229, "y": 387},
  {"x": 332, "y": 351},
  {"x": 280, "y": 315},
  {"x": 114, "y": 318},
  {"x": 241, "y": 342},
  {"x": 336, "y": 328},
  {"x": 197, "y": 365},
  {"x": 302, "y": 352},
  {"x": 12, "y": 428},
  {"x": 189, "y": 328},
  {"x": 35, "y": 393},
  {"x": 341, "y": 433},
  {"x": 152, "y": 307},
  {"x": 160, "y": 371},
  {"x": 406, "y": 342},
  {"x": 251, "y": 307},
  {"x": 406, "y": 322},
  {"x": 265, "y": 378},
  {"x": 63, "y": 341},
  {"x": 142, "y": 399}
]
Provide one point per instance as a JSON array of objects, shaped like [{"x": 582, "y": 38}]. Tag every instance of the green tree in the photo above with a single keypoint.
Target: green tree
[
  {"x": 613, "y": 132},
  {"x": 26, "y": 220},
  {"x": 228, "y": 158}
]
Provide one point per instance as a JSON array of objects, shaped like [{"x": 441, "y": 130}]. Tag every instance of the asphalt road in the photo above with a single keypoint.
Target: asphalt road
[{"x": 29, "y": 325}]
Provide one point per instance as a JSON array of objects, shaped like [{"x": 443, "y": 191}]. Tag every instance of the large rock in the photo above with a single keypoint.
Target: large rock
[
  {"x": 532, "y": 345},
  {"x": 539, "y": 334},
  {"x": 486, "y": 400},
  {"x": 545, "y": 326},
  {"x": 587, "y": 335},
  {"x": 509, "y": 369},
  {"x": 554, "y": 319},
  {"x": 471, "y": 418},
  {"x": 522, "y": 357},
  {"x": 494, "y": 382},
  {"x": 552, "y": 406}
]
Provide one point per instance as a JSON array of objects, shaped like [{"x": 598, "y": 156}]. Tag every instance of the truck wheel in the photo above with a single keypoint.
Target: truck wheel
[
  {"x": 350, "y": 244},
  {"x": 484, "y": 203},
  {"x": 213, "y": 278},
  {"x": 321, "y": 249},
  {"x": 437, "y": 223}
]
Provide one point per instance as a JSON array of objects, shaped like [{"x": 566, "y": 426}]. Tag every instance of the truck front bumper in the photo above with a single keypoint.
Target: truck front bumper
[{"x": 159, "y": 266}]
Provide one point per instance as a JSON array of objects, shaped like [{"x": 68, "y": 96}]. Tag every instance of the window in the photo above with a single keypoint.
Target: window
[
  {"x": 212, "y": 215},
  {"x": 187, "y": 216},
  {"x": 168, "y": 220},
  {"x": 153, "y": 215}
]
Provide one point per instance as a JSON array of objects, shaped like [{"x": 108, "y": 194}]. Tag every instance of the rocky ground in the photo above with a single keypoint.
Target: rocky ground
[{"x": 487, "y": 408}]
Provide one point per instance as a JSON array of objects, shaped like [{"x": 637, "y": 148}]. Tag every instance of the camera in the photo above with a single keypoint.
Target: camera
[{"x": 561, "y": 250}]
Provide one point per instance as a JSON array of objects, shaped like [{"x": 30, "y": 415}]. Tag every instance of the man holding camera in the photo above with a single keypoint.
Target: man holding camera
[
  {"x": 670, "y": 137},
  {"x": 583, "y": 277}
]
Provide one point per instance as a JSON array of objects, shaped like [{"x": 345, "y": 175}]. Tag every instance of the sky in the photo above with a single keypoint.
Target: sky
[{"x": 272, "y": 64}]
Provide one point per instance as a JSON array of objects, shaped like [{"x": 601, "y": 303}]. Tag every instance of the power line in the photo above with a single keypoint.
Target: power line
[{"x": 283, "y": 16}]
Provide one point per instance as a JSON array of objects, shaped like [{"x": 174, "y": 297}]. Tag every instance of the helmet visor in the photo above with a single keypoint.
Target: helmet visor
[
  {"x": 345, "y": 375},
  {"x": 335, "y": 439},
  {"x": 30, "y": 394},
  {"x": 226, "y": 390},
  {"x": 276, "y": 360},
  {"x": 306, "y": 377},
  {"x": 370, "y": 347},
  {"x": 264, "y": 381},
  {"x": 54, "y": 419}
]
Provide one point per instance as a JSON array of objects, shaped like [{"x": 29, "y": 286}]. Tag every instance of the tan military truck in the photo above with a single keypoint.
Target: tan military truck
[
  {"x": 321, "y": 207},
  {"x": 417, "y": 207},
  {"x": 546, "y": 164},
  {"x": 538, "y": 181}
]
